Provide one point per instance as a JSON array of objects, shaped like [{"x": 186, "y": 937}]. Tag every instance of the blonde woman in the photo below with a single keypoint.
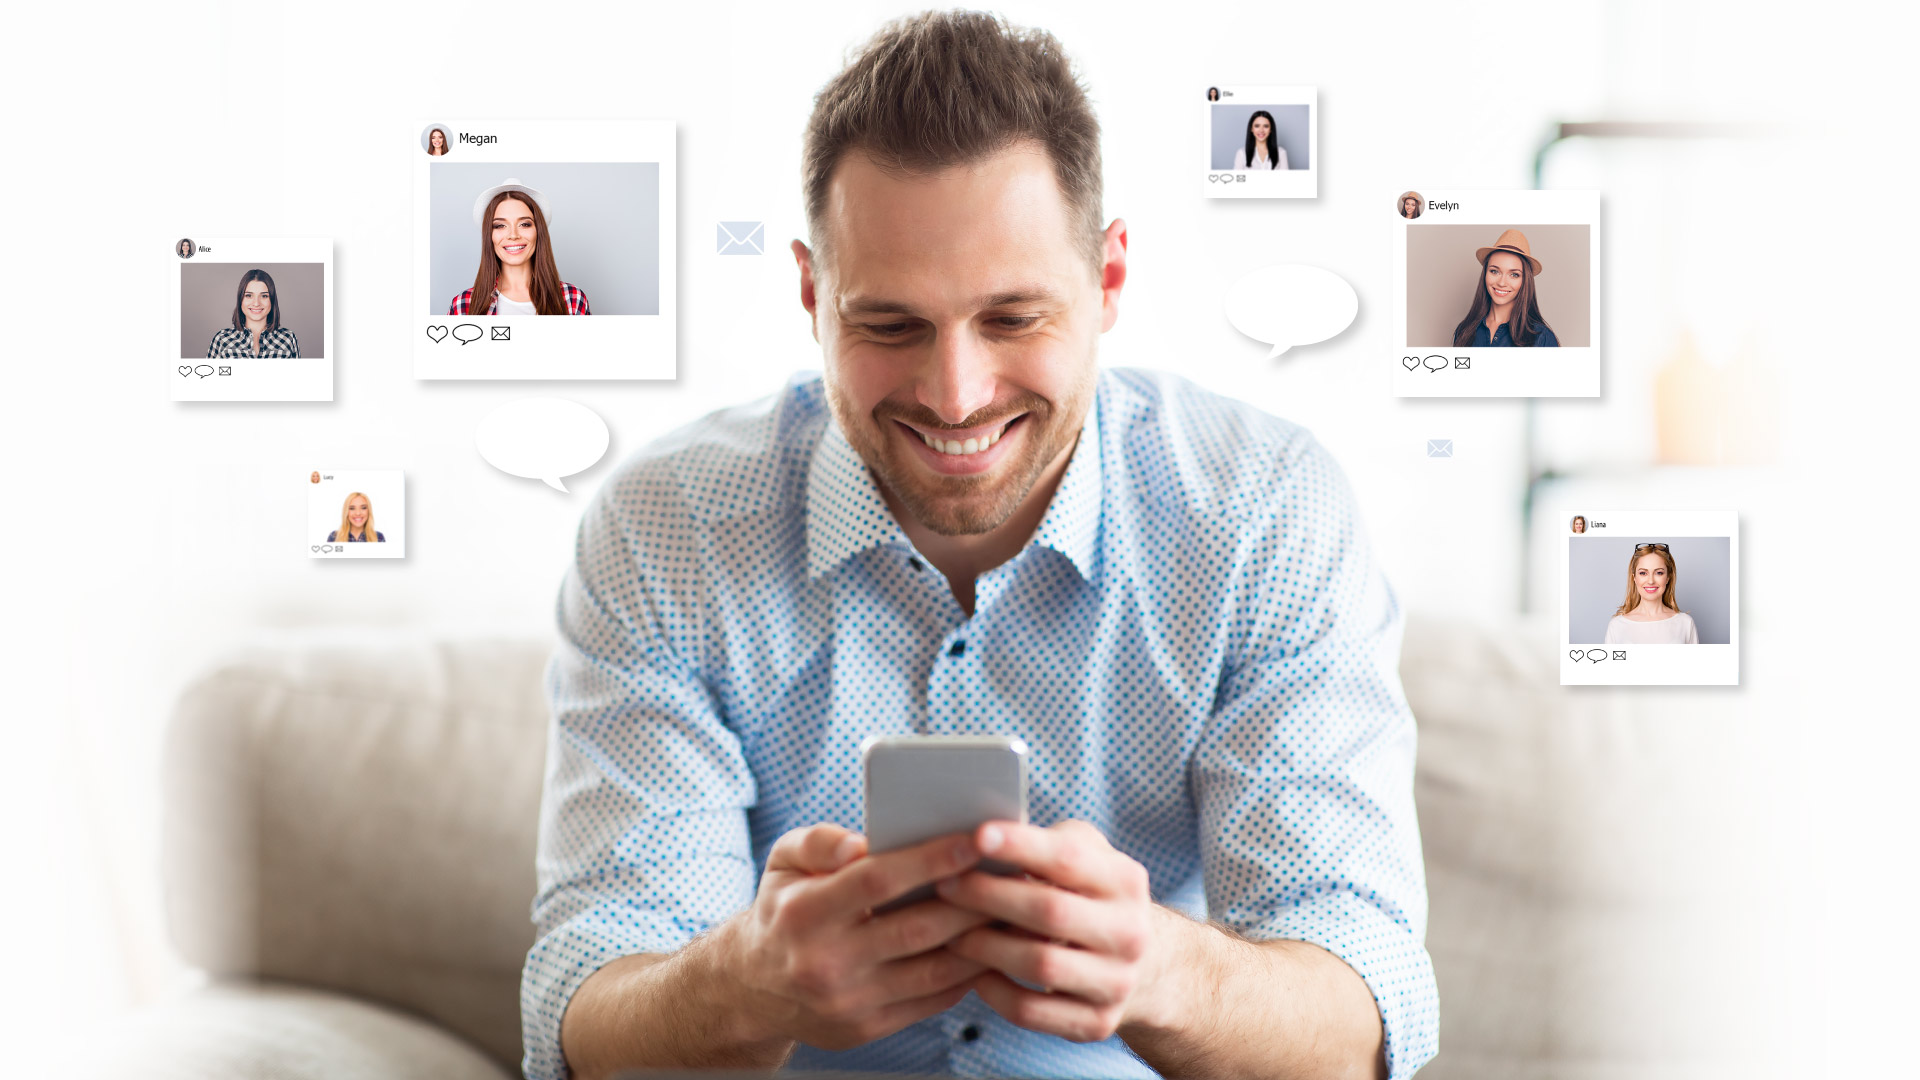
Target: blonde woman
[
  {"x": 1651, "y": 615},
  {"x": 356, "y": 522}
]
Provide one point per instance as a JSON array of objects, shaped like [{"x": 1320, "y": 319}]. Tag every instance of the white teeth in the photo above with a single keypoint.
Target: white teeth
[{"x": 962, "y": 449}]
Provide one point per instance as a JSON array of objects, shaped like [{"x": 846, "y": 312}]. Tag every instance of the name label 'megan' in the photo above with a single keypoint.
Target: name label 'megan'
[{"x": 478, "y": 140}]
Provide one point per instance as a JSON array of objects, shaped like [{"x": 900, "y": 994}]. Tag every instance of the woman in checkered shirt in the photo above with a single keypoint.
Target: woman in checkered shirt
[
  {"x": 517, "y": 273},
  {"x": 256, "y": 330}
]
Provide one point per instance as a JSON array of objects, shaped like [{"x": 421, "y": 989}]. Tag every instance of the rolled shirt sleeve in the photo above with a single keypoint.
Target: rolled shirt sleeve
[
  {"x": 643, "y": 840},
  {"x": 1304, "y": 775}
]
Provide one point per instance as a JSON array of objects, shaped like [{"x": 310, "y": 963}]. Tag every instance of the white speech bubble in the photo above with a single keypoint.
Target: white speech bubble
[
  {"x": 1290, "y": 304},
  {"x": 541, "y": 438}
]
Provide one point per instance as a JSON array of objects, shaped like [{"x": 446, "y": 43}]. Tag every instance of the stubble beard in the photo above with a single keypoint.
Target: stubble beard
[{"x": 965, "y": 505}]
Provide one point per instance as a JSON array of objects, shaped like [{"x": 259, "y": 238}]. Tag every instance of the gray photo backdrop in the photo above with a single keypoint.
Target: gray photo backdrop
[
  {"x": 208, "y": 292},
  {"x": 1442, "y": 274},
  {"x": 604, "y": 218},
  {"x": 1597, "y": 583},
  {"x": 1230, "y": 132}
]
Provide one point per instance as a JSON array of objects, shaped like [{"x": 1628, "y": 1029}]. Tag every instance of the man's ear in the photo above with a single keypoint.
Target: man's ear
[
  {"x": 804, "y": 259},
  {"x": 1113, "y": 273}
]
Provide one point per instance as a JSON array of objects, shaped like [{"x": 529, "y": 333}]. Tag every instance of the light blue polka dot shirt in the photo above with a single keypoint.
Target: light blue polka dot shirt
[{"x": 1196, "y": 646}]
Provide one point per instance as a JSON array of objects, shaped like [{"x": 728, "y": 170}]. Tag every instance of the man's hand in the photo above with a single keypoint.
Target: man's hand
[
  {"x": 1084, "y": 929},
  {"x": 816, "y": 966}
]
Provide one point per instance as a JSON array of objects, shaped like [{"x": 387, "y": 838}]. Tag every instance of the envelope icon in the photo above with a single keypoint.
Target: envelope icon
[
  {"x": 503, "y": 333},
  {"x": 739, "y": 238},
  {"x": 1439, "y": 447}
]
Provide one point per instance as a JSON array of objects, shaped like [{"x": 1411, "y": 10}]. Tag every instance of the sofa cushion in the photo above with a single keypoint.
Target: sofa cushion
[{"x": 359, "y": 816}]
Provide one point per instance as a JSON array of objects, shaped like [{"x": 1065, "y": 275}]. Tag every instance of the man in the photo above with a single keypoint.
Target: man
[{"x": 966, "y": 527}]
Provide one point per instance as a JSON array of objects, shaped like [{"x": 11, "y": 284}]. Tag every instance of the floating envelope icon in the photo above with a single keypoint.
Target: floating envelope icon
[
  {"x": 1439, "y": 447},
  {"x": 739, "y": 238}
]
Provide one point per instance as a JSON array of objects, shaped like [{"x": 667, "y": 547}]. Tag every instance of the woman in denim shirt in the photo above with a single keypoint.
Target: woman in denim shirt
[{"x": 1505, "y": 310}]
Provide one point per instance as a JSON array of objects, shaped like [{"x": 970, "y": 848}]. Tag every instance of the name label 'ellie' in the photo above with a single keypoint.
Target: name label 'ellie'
[
  {"x": 478, "y": 140},
  {"x": 1431, "y": 205}
]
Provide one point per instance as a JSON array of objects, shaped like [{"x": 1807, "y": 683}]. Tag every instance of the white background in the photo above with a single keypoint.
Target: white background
[{"x": 146, "y": 537}]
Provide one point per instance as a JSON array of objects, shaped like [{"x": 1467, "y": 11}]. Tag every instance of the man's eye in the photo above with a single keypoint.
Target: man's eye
[
  {"x": 1017, "y": 322},
  {"x": 888, "y": 329}
]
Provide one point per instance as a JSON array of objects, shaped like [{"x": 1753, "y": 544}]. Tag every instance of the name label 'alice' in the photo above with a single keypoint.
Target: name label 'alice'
[
  {"x": 1431, "y": 205},
  {"x": 478, "y": 140}
]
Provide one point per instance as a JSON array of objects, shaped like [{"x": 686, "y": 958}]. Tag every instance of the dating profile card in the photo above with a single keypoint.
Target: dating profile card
[
  {"x": 1496, "y": 293},
  {"x": 353, "y": 513},
  {"x": 253, "y": 319},
  {"x": 1649, "y": 597},
  {"x": 1261, "y": 142},
  {"x": 543, "y": 249}
]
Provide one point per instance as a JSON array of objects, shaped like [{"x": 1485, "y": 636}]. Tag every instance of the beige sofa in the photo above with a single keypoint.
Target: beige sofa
[{"x": 349, "y": 839}]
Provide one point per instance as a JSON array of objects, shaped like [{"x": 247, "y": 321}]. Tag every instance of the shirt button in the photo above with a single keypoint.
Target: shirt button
[
  {"x": 913, "y": 562},
  {"x": 958, "y": 648},
  {"x": 970, "y": 1033}
]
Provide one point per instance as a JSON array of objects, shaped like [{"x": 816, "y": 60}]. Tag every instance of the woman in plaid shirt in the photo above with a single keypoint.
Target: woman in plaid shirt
[
  {"x": 517, "y": 273},
  {"x": 256, "y": 330}
]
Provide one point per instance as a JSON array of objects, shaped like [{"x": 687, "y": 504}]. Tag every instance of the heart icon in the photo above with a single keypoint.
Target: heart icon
[
  {"x": 1409, "y": 362},
  {"x": 185, "y": 369},
  {"x": 316, "y": 547},
  {"x": 1576, "y": 654},
  {"x": 437, "y": 333}
]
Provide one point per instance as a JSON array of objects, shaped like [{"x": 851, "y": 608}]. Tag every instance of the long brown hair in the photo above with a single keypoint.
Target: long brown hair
[
  {"x": 548, "y": 297},
  {"x": 1523, "y": 323},
  {"x": 273, "y": 300},
  {"x": 1633, "y": 591}
]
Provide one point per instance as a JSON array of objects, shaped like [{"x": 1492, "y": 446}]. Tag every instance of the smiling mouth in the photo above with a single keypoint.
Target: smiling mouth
[
  {"x": 513, "y": 249},
  {"x": 972, "y": 441}
]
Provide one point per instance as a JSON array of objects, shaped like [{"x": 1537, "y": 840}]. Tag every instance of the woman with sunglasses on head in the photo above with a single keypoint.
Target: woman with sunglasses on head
[{"x": 1651, "y": 615}]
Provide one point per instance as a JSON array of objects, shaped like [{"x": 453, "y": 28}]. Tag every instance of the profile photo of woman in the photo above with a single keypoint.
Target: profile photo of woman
[
  {"x": 517, "y": 274},
  {"x": 1579, "y": 523},
  {"x": 1262, "y": 150},
  {"x": 256, "y": 329},
  {"x": 315, "y": 478},
  {"x": 184, "y": 248},
  {"x": 1213, "y": 93},
  {"x": 437, "y": 142},
  {"x": 1505, "y": 311},
  {"x": 1410, "y": 205},
  {"x": 1651, "y": 615},
  {"x": 356, "y": 523}
]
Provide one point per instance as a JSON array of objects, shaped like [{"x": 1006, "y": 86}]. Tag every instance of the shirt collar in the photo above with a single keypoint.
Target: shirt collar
[
  {"x": 846, "y": 515},
  {"x": 1072, "y": 523}
]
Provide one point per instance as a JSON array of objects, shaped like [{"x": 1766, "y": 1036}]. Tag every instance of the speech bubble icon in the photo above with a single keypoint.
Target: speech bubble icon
[
  {"x": 1596, "y": 655},
  {"x": 1434, "y": 363},
  {"x": 203, "y": 370},
  {"x": 541, "y": 438},
  {"x": 1290, "y": 304},
  {"x": 467, "y": 333}
]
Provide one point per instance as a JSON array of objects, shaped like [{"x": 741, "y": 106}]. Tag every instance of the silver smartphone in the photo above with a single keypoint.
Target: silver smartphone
[{"x": 920, "y": 787}]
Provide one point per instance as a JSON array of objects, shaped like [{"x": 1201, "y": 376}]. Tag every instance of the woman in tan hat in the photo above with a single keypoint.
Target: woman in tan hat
[{"x": 1505, "y": 311}]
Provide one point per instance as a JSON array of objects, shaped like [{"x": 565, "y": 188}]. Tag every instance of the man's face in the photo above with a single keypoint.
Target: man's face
[{"x": 958, "y": 314}]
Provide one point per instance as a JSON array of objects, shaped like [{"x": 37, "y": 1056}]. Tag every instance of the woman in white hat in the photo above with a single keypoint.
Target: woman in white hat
[
  {"x": 1504, "y": 310},
  {"x": 517, "y": 275}
]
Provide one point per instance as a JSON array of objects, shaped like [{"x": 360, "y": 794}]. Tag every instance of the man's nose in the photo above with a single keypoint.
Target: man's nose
[{"x": 959, "y": 378}]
